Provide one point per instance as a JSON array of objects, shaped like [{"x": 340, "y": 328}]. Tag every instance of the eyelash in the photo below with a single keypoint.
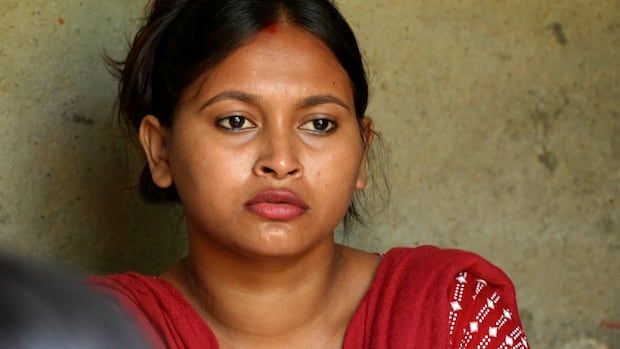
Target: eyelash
[
  {"x": 331, "y": 125},
  {"x": 221, "y": 123}
]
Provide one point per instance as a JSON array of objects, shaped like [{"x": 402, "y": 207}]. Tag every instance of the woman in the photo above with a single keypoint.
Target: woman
[{"x": 252, "y": 114}]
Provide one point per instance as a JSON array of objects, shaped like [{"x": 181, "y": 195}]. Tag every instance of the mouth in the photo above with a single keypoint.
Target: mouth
[{"x": 277, "y": 204}]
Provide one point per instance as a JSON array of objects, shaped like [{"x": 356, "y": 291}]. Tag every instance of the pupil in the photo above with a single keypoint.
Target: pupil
[
  {"x": 236, "y": 122},
  {"x": 321, "y": 124}
]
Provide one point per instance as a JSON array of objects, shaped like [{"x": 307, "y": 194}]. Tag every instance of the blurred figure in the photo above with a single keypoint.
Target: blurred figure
[{"x": 42, "y": 307}]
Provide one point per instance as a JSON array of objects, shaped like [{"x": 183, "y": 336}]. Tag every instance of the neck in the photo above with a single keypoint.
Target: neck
[{"x": 242, "y": 295}]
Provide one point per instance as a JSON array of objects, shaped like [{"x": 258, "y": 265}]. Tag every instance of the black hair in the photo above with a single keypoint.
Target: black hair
[
  {"x": 182, "y": 39},
  {"x": 44, "y": 307}
]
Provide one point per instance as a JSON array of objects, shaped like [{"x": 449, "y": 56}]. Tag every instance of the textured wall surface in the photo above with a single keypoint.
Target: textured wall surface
[
  {"x": 503, "y": 118},
  {"x": 64, "y": 174}
]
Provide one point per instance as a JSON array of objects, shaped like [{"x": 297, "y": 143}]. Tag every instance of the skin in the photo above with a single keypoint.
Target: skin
[{"x": 262, "y": 283}]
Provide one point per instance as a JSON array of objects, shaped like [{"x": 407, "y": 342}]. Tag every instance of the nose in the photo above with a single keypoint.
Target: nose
[{"x": 279, "y": 158}]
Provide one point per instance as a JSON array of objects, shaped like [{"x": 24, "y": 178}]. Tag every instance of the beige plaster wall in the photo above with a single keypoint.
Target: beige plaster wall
[{"x": 503, "y": 118}]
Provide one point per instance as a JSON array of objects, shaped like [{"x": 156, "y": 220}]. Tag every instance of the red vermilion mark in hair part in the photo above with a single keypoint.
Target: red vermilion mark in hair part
[
  {"x": 610, "y": 325},
  {"x": 272, "y": 28}
]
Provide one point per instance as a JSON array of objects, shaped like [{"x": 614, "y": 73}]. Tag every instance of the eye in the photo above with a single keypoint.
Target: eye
[
  {"x": 319, "y": 126},
  {"x": 235, "y": 123}
]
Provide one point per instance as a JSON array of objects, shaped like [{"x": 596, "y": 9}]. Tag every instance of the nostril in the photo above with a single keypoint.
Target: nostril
[
  {"x": 278, "y": 170},
  {"x": 268, "y": 170}
]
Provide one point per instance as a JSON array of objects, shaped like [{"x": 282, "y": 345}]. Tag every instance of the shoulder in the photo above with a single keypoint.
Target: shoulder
[
  {"x": 477, "y": 298},
  {"x": 158, "y": 308},
  {"x": 410, "y": 301},
  {"x": 142, "y": 295},
  {"x": 439, "y": 264},
  {"x": 129, "y": 287},
  {"x": 433, "y": 255},
  {"x": 114, "y": 281},
  {"x": 441, "y": 271},
  {"x": 145, "y": 298}
]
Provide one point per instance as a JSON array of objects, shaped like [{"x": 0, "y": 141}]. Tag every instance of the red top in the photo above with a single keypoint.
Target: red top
[{"x": 422, "y": 297}]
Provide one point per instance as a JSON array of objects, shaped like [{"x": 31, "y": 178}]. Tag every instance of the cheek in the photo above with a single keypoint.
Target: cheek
[
  {"x": 335, "y": 174},
  {"x": 202, "y": 169}
]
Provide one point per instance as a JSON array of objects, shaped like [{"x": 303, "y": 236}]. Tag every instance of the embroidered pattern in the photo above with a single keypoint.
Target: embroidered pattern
[{"x": 480, "y": 319}]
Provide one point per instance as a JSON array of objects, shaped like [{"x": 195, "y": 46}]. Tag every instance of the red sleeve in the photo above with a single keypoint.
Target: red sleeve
[
  {"x": 160, "y": 310},
  {"x": 127, "y": 301},
  {"x": 483, "y": 316}
]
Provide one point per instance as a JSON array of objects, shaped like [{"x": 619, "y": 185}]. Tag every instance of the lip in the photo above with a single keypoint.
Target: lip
[{"x": 277, "y": 204}]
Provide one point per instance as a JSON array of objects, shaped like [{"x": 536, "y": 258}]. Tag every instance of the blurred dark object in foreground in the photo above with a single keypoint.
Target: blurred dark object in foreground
[{"x": 44, "y": 307}]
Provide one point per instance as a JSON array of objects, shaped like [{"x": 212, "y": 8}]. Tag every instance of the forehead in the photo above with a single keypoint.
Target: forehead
[{"x": 282, "y": 58}]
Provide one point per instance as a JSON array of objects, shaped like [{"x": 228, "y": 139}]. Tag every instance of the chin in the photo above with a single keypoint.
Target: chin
[{"x": 280, "y": 242}]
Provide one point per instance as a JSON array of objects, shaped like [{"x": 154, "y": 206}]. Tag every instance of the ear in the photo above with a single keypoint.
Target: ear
[
  {"x": 154, "y": 140},
  {"x": 368, "y": 134}
]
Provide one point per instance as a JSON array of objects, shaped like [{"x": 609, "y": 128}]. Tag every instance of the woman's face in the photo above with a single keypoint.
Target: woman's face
[{"x": 265, "y": 150}]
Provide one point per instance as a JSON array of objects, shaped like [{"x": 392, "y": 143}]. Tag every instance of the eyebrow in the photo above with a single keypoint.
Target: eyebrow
[
  {"x": 238, "y": 95},
  {"x": 322, "y": 99},
  {"x": 250, "y": 98}
]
